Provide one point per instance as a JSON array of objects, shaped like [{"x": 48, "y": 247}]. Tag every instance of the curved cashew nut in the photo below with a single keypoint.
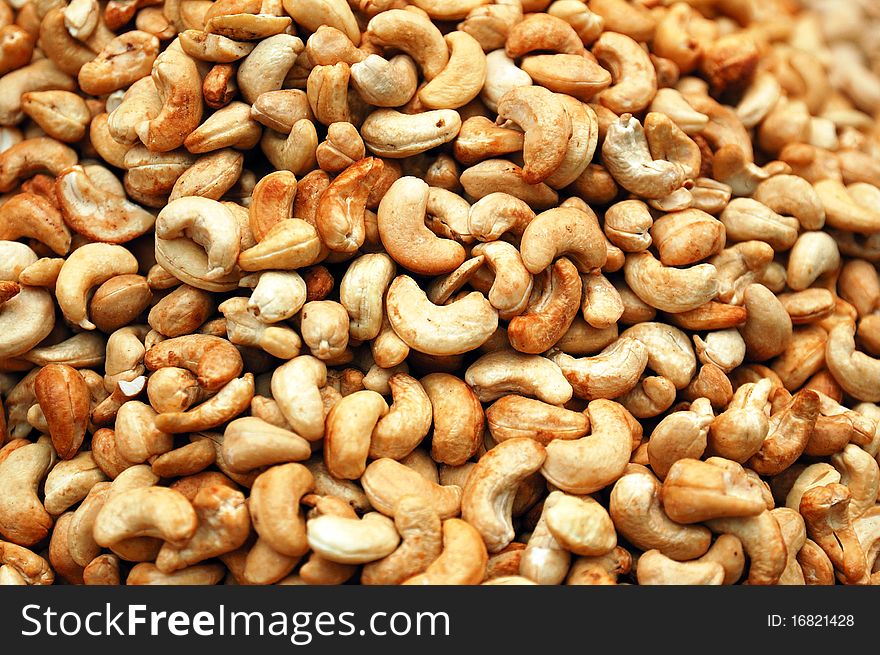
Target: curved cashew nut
[
  {"x": 458, "y": 418},
  {"x": 30, "y": 215},
  {"x": 23, "y": 519},
  {"x": 461, "y": 79},
  {"x": 856, "y": 372},
  {"x": 638, "y": 515},
  {"x": 146, "y": 512},
  {"x": 274, "y": 505},
  {"x": 208, "y": 223},
  {"x": 514, "y": 416},
  {"x": 340, "y": 215},
  {"x": 610, "y": 374},
  {"x": 420, "y": 531},
  {"x": 231, "y": 400},
  {"x": 680, "y": 435},
  {"x": 93, "y": 212},
  {"x": 511, "y": 289},
  {"x": 669, "y": 289},
  {"x": 179, "y": 84},
  {"x": 490, "y": 489},
  {"x": 387, "y": 482},
  {"x": 415, "y": 35},
  {"x": 860, "y": 473},
  {"x": 762, "y": 540},
  {"x": 506, "y": 371},
  {"x": 547, "y": 128},
  {"x": 843, "y": 209},
  {"x": 385, "y": 82},
  {"x": 277, "y": 295},
  {"x": 654, "y": 568},
  {"x": 563, "y": 231},
  {"x": 85, "y": 268},
  {"x": 580, "y": 524},
  {"x": 349, "y": 426},
  {"x": 462, "y": 561},
  {"x": 352, "y": 541},
  {"x": 296, "y": 387},
  {"x": 214, "y": 360},
  {"x": 467, "y": 322},
  {"x": 407, "y": 422},
  {"x": 390, "y": 133},
  {"x": 585, "y": 465},
  {"x": 788, "y": 434},
  {"x": 826, "y": 513},
  {"x": 223, "y": 526},
  {"x": 695, "y": 491},
  {"x": 627, "y": 156},
  {"x": 496, "y": 213},
  {"x": 32, "y": 156},
  {"x": 635, "y": 80}
]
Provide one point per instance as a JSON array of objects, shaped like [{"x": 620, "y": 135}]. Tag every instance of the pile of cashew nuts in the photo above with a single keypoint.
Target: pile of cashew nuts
[{"x": 439, "y": 292}]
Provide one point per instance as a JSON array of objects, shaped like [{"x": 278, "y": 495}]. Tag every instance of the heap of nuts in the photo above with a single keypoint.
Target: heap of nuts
[{"x": 439, "y": 292}]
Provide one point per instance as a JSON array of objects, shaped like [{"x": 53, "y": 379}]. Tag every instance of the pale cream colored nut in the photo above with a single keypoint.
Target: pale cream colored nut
[
  {"x": 140, "y": 102},
  {"x": 30, "y": 215},
  {"x": 609, "y": 374},
  {"x": 342, "y": 147},
  {"x": 505, "y": 371},
  {"x": 856, "y": 372},
  {"x": 390, "y": 133},
  {"x": 362, "y": 291},
  {"x": 850, "y": 207},
  {"x": 296, "y": 387},
  {"x": 670, "y": 353},
  {"x": 461, "y": 79},
  {"x": 544, "y": 560},
  {"x": 351, "y": 540},
  {"x": 500, "y": 175},
  {"x": 277, "y": 295},
  {"x": 563, "y": 231},
  {"x": 517, "y": 416},
  {"x": 245, "y": 329},
  {"x": 324, "y": 328},
  {"x": 206, "y": 222},
  {"x": 137, "y": 436},
  {"x": 695, "y": 491},
  {"x": 40, "y": 75},
  {"x": 789, "y": 433},
  {"x": 488, "y": 495},
  {"x": 467, "y": 322},
  {"x": 792, "y": 195},
  {"x": 860, "y": 473},
  {"x": 814, "y": 475},
  {"x": 250, "y": 443},
  {"x": 680, "y": 435},
  {"x": 181, "y": 312},
  {"x": 146, "y": 512},
  {"x": 147, "y": 573},
  {"x": 763, "y": 541},
  {"x": 387, "y": 482},
  {"x": 463, "y": 559},
  {"x": 745, "y": 219},
  {"x": 654, "y": 568},
  {"x": 385, "y": 82},
  {"x": 289, "y": 244},
  {"x": 669, "y": 289},
  {"x": 639, "y": 518},
  {"x": 349, "y": 426},
  {"x": 627, "y": 157},
  {"x": 580, "y": 524},
  {"x": 70, "y": 481},
  {"x": 502, "y": 75},
  {"x": 223, "y": 526}
]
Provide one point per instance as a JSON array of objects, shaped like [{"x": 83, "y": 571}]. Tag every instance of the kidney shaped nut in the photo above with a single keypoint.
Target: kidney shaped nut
[
  {"x": 856, "y": 372},
  {"x": 488, "y": 495},
  {"x": 351, "y": 540},
  {"x": 654, "y": 568},
  {"x": 669, "y": 289},
  {"x": 349, "y": 426},
  {"x": 638, "y": 515},
  {"x": 386, "y": 482},
  {"x": 609, "y": 374},
  {"x": 694, "y": 491},
  {"x": 466, "y": 323},
  {"x": 607, "y": 449},
  {"x": 23, "y": 519},
  {"x": 513, "y": 416},
  {"x": 458, "y": 418},
  {"x": 250, "y": 443},
  {"x": 146, "y": 512},
  {"x": 88, "y": 266},
  {"x": 214, "y": 360},
  {"x": 504, "y": 371},
  {"x": 421, "y": 544},
  {"x": 563, "y": 231}
]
